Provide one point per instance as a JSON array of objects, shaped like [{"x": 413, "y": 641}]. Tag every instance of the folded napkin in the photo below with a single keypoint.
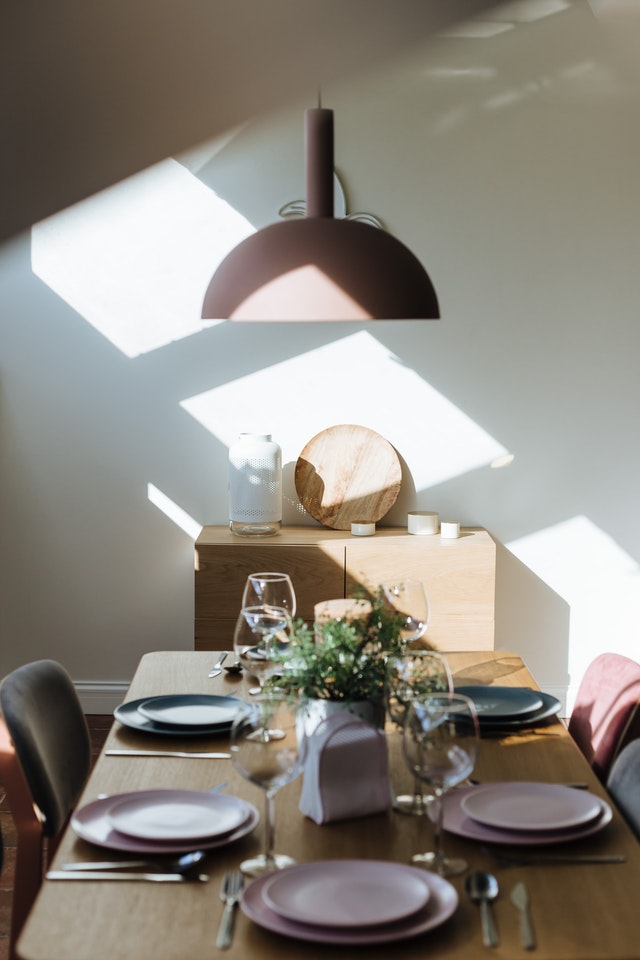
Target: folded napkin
[{"x": 345, "y": 771}]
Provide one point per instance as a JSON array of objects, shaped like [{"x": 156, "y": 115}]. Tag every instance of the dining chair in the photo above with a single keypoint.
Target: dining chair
[
  {"x": 606, "y": 713},
  {"x": 45, "y": 757},
  {"x": 623, "y": 783}
]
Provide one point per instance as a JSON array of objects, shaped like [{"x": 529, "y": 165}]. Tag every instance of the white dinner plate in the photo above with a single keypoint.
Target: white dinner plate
[
  {"x": 190, "y": 710},
  {"x": 347, "y": 893},
  {"x": 91, "y": 822},
  {"x": 441, "y": 905},
  {"x": 455, "y": 820},
  {"x": 531, "y": 806},
  {"x": 177, "y": 815}
]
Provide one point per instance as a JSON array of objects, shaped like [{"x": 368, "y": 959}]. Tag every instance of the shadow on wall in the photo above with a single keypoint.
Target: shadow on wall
[{"x": 533, "y": 620}]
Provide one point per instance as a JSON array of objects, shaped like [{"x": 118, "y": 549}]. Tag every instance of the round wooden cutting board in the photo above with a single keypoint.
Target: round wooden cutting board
[{"x": 348, "y": 474}]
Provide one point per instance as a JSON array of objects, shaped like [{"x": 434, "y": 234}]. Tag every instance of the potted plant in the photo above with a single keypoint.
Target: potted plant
[{"x": 340, "y": 663}]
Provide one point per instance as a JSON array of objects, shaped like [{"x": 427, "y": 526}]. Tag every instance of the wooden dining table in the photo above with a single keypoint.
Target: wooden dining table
[{"x": 587, "y": 911}]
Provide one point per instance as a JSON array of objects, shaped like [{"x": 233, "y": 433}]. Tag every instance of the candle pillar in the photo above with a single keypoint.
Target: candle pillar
[{"x": 319, "y": 162}]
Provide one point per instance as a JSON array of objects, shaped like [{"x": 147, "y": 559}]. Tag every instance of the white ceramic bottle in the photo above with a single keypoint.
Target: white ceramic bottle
[{"x": 255, "y": 486}]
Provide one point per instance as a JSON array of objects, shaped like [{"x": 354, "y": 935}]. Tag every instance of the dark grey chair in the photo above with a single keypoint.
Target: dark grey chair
[
  {"x": 45, "y": 758},
  {"x": 623, "y": 784}
]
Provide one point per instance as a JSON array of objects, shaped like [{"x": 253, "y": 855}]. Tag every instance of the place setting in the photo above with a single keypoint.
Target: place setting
[
  {"x": 524, "y": 813},
  {"x": 509, "y": 709},
  {"x": 180, "y": 715},
  {"x": 349, "y": 901},
  {"x": 164, "y": 821}
]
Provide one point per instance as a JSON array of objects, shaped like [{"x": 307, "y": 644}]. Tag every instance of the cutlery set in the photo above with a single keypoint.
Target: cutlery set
[{"x": 482, "y": 888}]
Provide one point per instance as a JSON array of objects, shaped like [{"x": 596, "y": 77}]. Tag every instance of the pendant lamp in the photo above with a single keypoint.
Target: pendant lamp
[{"x": 320, "y": 268}]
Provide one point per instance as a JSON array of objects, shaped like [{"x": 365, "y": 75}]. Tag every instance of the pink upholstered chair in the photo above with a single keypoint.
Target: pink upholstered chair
[{"x": 606, "y": 714}]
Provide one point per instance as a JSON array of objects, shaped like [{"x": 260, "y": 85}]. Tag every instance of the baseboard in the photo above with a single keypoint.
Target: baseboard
[{"x": 100, "y": 698}]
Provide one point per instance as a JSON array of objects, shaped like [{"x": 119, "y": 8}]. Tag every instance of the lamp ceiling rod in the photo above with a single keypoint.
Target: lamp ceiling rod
[{"x": 319, "y": 161}]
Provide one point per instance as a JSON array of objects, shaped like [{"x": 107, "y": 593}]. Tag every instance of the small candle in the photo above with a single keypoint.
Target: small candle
[
  {"x": 422, "y": 522},
  {"x": 361, "y": 529},
  {"x": 449, "y": 530}
]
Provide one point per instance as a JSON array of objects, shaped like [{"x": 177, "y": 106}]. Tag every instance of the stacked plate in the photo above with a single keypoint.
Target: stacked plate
[
  {"x": 350, "y": 901},
  {"x": 510, "y": 708},
  {"x": 164, "y": 821},
  {"x": 524, "y": 813},
  {"x": 179, "y": 715}
]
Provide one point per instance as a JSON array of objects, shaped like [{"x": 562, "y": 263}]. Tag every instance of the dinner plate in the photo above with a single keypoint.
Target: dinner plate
[
  {"x": 91, "y": 822},
  {"x": 129, "y": 715},
  {"x": 455, "y": 820},
  {"x": 190, "y": 710},
  {"x": 550, "y": 707},
  {"x": 177, "y": 815},
  {"x": 502, "y": 703},
  {"x": 442, "y": 903},
  {"x": 531, "y": 806},
  {"x": 346, "y": 893}
]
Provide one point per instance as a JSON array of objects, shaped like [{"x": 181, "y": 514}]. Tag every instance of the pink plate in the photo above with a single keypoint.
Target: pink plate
[
  {"x": 347, "y": 893},
  {"x": 92, "y": 823},
  {"x": 456, "y": 821},
  {"x": 175, "y": 815},
  {"x": 531, "y": 806},
  {"x": 441, "y": 905}
]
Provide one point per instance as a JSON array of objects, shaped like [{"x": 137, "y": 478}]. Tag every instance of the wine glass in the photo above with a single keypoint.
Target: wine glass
[
  {"x": 265, "y": 622},
  {"x": 408, "y": 676},
  {"x": 440, "y": 744},
  {"x": 409, "y": 599},
  {"x": 268, "y": 748},
  {"x": 272, "y": 588}
]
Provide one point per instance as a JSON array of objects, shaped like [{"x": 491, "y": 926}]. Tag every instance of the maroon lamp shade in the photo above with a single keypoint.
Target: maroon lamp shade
[{"x": 320, "y": 268}]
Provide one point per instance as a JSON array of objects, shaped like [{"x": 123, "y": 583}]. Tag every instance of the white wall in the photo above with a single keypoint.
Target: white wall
[{"x": 510, "y": 168}]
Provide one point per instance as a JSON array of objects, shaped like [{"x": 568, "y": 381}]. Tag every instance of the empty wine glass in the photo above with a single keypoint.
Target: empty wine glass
[
  {"x": 409, "y": 599},
  {"x": 268, "y": 748},
  {"x": 440, "y": 744},
  {"x": 409, "y": 676},
  {"x": 265, "y": 622},
  {"x": 271, "y": 588}
]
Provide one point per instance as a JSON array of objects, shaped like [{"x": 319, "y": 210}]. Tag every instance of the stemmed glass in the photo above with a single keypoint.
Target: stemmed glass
[
  {"x": 409, "y": 599},
  {"x": 409, "y": 676},
  {"x": 265, "y": 622},
  {"x": 271, "y": 588},
  {"x": 440, "y": 744},
  {"x": 268, "y": 748}
]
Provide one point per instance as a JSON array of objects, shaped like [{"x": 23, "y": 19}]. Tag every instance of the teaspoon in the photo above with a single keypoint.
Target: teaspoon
[
  {"x": 183, "y": 864},
  {"x": 483, "y": 888}
]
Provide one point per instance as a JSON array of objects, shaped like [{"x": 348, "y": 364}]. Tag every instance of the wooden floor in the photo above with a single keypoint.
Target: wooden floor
[{"x": 99, "y": 727}]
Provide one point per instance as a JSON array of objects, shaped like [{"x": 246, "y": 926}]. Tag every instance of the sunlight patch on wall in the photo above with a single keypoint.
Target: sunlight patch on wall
[
  {"x": 353, "y": 380},
  {"x": 175, "y": 513},
  {"x": 135, "y": 260},
  {"x": 599, "y": 581}
]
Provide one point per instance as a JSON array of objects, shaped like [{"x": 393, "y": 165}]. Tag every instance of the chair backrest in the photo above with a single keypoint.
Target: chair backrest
[
  {"x": 49, "y": 731},
  {"x": 606, "y": 714},
  {"x": 45, "y": 757},
  {"x": 623, "y": 784}
]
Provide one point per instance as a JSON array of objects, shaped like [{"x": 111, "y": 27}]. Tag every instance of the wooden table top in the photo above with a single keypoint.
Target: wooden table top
[{"x": 581, "y": 912}]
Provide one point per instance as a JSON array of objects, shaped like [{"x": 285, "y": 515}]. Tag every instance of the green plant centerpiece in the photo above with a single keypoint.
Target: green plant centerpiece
[{"x": 342, "y": 658}]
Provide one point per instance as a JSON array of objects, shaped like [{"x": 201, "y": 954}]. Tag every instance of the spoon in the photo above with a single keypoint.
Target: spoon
[
  {"x": 217, "y": 667},
  {"x": 183, "y": 864},
  {"x": 483, "y": 888}
]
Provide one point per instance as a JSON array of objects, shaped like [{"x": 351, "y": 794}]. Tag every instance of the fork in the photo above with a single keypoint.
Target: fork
[{"x": 230, "y": 893}]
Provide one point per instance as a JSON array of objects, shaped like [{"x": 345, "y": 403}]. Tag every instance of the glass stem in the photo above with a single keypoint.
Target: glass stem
[
  {"x": 438, "y": 858},
  {"x": 269, "y": 824}
]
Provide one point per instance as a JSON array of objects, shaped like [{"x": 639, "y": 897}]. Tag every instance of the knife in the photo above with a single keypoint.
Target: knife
[
  {"x": 167, "y": 753},
  {"x": 520, "y": 900},
  {"x": 122, "y": 875}
]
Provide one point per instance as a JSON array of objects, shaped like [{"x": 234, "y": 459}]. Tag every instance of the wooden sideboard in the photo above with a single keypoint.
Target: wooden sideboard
[{"x": 326, "y": 564}]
